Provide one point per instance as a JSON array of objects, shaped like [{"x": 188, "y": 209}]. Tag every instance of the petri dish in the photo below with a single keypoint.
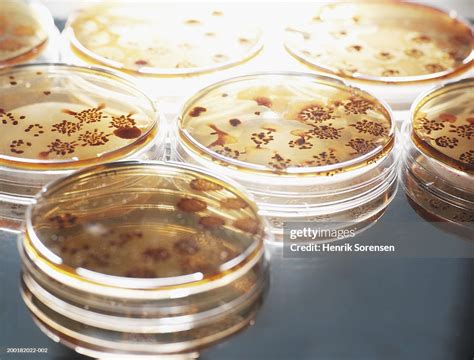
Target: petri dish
[
  {"x": 27, "y": 33},
  {"x": 165, "y": 46},
  {"x": 438, "y": 168},
  {"x": 304, "y": 145},
  {"x": 396, "y": 49},
  {"x": 57, "y": 118},
  {"x": 178, "y": 42},
  {"x": 143, "y": 259}
]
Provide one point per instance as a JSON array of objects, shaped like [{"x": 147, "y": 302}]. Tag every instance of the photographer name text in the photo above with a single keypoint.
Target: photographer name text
[{"x": 341, "y": 248}]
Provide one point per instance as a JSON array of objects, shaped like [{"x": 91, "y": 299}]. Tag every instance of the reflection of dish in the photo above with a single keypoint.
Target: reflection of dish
[
  {"x": 161, "y": 39},
  {"x": 392, "y": 42},
  {"x": 434, "y": 209},
  {"x": 139, "y": 266},
  {"x": 22, "y": 36},
  {"x": 96, "y": 343}
]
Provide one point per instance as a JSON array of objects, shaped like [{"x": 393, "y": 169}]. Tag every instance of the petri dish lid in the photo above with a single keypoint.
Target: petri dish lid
[
  {"x": 443, "y": 125},
  {"x": 287, "y": 124},
  {"x": 387, "y": 41},
  {"x": 22, "y": 36},
  {"x": 137, "y": 225},
  {"x": 163, "y": 39},
  {"x": 56, "y": 116}
]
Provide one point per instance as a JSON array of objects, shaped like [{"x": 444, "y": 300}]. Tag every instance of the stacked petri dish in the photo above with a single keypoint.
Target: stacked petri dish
[
  {"x": 143, "y": 259},
  {"x": 309, "y": 148},
  {"x": 27, "y": 33},
  {"x": 58, "y": 118},
  {"x": 171, "y": 50},
  {"x": 438, "y": 170},
  {"x": 396, "y": 50}
]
